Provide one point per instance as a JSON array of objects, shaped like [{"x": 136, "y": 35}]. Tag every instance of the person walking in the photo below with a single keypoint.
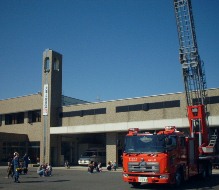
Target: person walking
[{"x": 16, "y": 163}]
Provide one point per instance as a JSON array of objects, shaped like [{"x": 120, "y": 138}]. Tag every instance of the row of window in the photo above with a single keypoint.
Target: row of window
[
  {"x": 47, "y": 64},
  {"x": 135, "y": 107},
  {"x": 148, "y": 106},
  {"x": 18, "y": 118},
  {"x": 35, "y": 116},
  {"x": 161, "y": 105}
]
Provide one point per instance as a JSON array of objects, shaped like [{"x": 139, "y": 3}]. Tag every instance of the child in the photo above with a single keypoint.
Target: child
[
  {"x": 41, "y": 170},
  {"x": 10, "y": 170},
  {"x": 48, "y": 170},
  {"x": 99, "y": 167},
  {"x": 91, "y": 167},
  {"x": 114, "y": 166},
  {"x": 109, "y": 166}
]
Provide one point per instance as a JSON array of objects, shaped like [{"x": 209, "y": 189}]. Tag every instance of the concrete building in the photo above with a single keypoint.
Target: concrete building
[{"x": 52, "y": 128}]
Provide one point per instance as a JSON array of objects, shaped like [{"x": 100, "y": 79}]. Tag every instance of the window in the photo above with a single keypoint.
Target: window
[
  {"x": 8, "y": 119},
  {"x": 174, "y": 140},
  {"x": 34, "y": 116},
  {"x": 14, "y": 118},
  {"x": 88, "y": 112},
  {"x": 82, "y": 113},
  {"x": 56, "y": 64},
  {"x": 171, "y": 104},
  {"x": 46, "y": 65},
  {"x": 213, "y": 100},
  {"x": 122, "y": 108},
  {"x": 156, "y": 105},
  {"x": 208, "y": 100},
  {"x": 19, "y": 118},
  {"x": 20, "y": 146},
  {"x": 0, "y": 120},
  {"x": 100, "y": 111},
  {"x": 136, "y": 107}
]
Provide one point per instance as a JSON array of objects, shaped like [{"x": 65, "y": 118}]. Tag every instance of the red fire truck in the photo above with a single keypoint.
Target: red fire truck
[
  {"x": 169, "y": 156},
  {"x": 165, "y": 157}
]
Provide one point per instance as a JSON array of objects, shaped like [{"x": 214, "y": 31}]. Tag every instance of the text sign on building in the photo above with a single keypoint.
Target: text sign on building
[{"x": 45, "y": 99}]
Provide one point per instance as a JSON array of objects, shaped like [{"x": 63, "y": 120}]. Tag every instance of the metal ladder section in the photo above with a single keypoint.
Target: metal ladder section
[
  {"x": 192, "y": 66},
  {"x": 210, "y": 148},
  {"x": 213, "y": 140}
]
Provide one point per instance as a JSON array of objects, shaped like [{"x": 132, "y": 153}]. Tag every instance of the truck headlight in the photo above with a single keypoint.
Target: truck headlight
[{"x": 125, "y": 175}]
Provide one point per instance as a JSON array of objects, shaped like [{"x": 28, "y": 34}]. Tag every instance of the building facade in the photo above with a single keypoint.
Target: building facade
[{"x": 53, "y": 128}]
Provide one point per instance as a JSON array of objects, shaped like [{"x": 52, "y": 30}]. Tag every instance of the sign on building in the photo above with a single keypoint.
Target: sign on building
[{"x": 45, "y": 99}]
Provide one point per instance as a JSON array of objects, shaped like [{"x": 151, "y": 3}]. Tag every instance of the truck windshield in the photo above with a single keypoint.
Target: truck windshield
[{"x": 145, "y": 144}]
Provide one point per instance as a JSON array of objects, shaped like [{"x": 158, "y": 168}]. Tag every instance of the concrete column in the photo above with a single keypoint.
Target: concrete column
[
  {"x": 55, "y": 142},
  {"x": 76, "y": 152},
  {"x": 58, "y": 145},
  {"x": 71, "y": 152},
  {"x": 1, "y": 150},
  {"x": 111, "y": 147}
]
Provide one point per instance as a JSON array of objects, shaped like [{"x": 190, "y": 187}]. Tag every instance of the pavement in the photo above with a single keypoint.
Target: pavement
[{"x": 76, "y": 178}]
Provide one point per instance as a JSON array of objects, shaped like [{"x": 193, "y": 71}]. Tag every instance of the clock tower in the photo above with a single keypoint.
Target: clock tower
[{"x": 52, "y": 98}]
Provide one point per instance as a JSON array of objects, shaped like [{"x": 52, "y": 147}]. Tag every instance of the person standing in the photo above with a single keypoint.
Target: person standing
[
  {"x": 16, "y": 163},
  {"x": 10, "y": 166},
  {"x": 26, "y": 162}
]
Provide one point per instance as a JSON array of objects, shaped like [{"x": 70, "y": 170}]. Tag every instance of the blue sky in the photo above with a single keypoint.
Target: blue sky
[{"x": 112, "y": 49}]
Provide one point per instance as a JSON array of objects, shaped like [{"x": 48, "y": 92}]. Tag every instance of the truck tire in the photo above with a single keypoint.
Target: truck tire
[
  {"x": 207, "y": 171},
  {"x": 178, "y": 178},
  {"x": 136, "y": 184},
  {"x": 204, "y": 174}
]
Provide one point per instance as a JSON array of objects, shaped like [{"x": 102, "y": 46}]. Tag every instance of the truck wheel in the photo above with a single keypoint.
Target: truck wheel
[
  {"x": 204, "y": 174},
  {"x": 178, "y": 178},
  {"x": 207, "y": 171},
  {"x": 136, "y": 184}
]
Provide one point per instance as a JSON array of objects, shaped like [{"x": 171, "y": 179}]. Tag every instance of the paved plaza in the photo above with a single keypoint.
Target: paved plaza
[{"x": 77, "y": 178}]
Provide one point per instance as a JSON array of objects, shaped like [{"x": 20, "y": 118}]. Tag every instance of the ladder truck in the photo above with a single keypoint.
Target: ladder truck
[
  {"x": 169, "y": 156},
  {"x": 194, "y": 76}
]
